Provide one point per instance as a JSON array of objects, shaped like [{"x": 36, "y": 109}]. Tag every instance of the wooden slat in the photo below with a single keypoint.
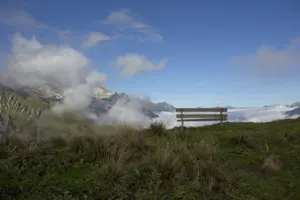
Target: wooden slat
[
  {"x": 201, "y": 109},
  {"x": 198, "y": 120},
  {"x": 200, "y": 115}
]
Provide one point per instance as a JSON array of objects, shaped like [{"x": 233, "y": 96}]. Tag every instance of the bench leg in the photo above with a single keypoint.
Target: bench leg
[
  {"x": 181, "y": 121},
  {"x": 221, "y": 118}
]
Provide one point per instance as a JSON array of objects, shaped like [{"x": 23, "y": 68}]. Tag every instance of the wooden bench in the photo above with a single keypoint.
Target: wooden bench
[{"x": 201, "y": 114}]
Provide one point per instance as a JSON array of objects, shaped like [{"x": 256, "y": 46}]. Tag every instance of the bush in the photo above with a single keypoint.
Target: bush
[
  {"x": 157, "y": 128},
  {"x": 58, "y": 142}
]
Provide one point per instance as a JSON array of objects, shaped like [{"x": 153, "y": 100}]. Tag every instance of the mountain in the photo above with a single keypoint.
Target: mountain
[
  {"x": 107, "y": 98},
  {"x": 230, "y": 107},
  {"x": 101, "y": 93},
  {"x": 102, "y": 100},
  {"x": 44, "y": 93},
  {"x": 293, "y": 112},
  {"x": 295, "y": 105},
  {"x": 150, "y": 109},
  {"x": 157, "y": 107},
  {"x": 274, "y": 106},
  {"x": 164, "y": 107},
  {"x": 102, "y": 105},
  {"x": 17, "y": 112}
]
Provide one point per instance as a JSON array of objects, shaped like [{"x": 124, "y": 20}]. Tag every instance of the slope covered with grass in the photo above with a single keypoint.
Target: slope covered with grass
[
  {"x": 236, "y": 161},
  {"x": 23, "y": 116},
  {"x": 12, "y": 104},
  {"x": 69, "y": 157},
  {"x": 18, "y": 114}
]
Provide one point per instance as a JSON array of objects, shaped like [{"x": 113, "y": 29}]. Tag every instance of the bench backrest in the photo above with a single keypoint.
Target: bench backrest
[{"x": 201, "y": 114}]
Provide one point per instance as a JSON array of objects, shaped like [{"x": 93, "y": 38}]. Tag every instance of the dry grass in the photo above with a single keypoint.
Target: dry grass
[
  {"x": 272, "y": 162},
  {"x": 202, "y": 163},
  {"x": 131, "y": 164}
]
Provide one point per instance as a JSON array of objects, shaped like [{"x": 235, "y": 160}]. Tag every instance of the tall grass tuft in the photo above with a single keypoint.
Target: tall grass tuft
[{"x": 157, "y": 128}]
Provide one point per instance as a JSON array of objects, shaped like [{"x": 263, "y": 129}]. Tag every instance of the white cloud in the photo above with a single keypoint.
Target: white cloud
[
  {"x": 24, "y": 21},
  {"x": 133, "y": 64},
  {"x": 95, "y": 77},
  {"x": 127, "y": 24},
  {"x": 34, "y": 64},
  {"x": 271, "y": 59},
  {"x": 126, "y": 112},
  {"x": 94, "y": 38},
  {"x": 119, "y": 17},
  {"x": 19, "y": 18}
]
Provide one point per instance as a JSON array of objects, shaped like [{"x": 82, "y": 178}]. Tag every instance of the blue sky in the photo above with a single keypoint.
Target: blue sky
[{"x": 188, "y": 53}]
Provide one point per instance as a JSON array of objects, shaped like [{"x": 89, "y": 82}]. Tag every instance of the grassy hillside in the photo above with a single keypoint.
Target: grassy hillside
[
  {"x": 236, "y": 161},
  {"x": 69, "y": 157},
  {"x": 18, "y": 114},
  {"x": 28, "y": 116}
]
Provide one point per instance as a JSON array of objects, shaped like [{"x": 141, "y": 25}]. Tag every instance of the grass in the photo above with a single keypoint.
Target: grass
[
  {"x": 157, "y": 128},
  {"x": 48, "y": 156},
  {"x": 236, "y": 161},
  {"x": 22, "y": 112}
]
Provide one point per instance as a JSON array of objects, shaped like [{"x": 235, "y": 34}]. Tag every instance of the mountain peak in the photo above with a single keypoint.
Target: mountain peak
[{"x": 102, "y": 93}]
